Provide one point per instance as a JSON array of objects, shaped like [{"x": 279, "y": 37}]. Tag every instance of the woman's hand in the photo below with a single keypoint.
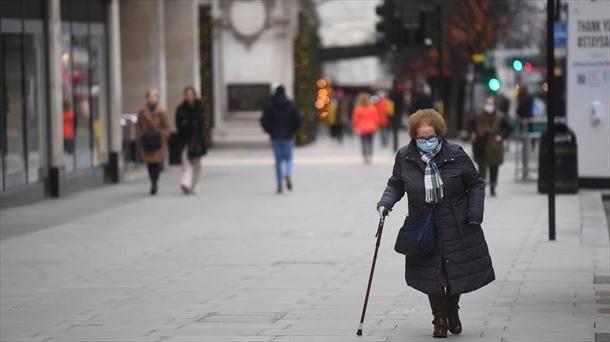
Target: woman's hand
[{"x": 382, "y": 211}]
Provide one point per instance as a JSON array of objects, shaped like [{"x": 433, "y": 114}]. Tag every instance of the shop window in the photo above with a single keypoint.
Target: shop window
[
  {"x": 84, "y": 83},
  {"x": 23, "y": 155}
]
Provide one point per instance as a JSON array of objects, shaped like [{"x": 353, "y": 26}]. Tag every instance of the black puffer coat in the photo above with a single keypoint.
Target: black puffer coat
[
  {"x": 281, "y": 118},
  {"x": 461, "y": 247}
]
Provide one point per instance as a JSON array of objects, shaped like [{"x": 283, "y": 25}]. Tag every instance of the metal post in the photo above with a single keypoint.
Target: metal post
[
  {"x": 550, "y": 105},
  {"x": 439, "y": 45}
]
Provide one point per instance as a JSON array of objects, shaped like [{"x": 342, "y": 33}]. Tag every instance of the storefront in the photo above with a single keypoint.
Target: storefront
[
  {"x": 28, "y": 139},
  {"x": 23, "y": 100}
]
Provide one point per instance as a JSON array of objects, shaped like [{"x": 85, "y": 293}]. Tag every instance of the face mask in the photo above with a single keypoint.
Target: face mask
[
  {"x": 488, "y": 108},
  {"x": 427, "y": 145}
]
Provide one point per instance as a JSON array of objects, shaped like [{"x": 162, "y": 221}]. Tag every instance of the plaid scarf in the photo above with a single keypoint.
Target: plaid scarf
[{"x": 433, "y": 182}]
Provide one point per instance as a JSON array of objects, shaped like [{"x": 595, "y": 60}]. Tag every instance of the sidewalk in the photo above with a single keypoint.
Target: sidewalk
[{"x": 239, "y": 263}]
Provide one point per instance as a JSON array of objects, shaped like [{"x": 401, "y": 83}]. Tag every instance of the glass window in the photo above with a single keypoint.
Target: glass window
[
  {"x": 14, "y": 155},
  {"x": 84, "y": 76},
  {"x": 80, "y": 94},
  {"x": 22, "y": 93},
  {"x": 35, "y": 98},
  {"x": 99, "y": 95}
]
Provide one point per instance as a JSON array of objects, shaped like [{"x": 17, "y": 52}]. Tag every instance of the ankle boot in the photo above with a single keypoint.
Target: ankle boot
[
  {"x": 439, "y": 311},
  {"x": 455, "y": 326}
]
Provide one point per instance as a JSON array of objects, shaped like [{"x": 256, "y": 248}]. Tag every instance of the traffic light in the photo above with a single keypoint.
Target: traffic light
[
  {"x": 384, "y": 26},
  {"x": 390, "y": 26},
  {"x": 528, "y": 67},
  {"x": 494, "y": 84},
  {"x": 517, "y": 65}
]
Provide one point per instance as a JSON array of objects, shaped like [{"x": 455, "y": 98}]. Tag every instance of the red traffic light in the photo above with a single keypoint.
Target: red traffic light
[{"x": 528, "y": 67}]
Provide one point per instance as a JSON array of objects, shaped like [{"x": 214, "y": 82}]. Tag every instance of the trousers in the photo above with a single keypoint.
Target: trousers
[{"x": 282, "y": 151}]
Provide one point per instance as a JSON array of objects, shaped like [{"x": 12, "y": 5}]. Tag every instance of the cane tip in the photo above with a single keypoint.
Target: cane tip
[{"x": 359, "y": 332}]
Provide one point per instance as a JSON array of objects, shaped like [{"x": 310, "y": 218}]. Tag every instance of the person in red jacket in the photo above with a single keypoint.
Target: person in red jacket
[
  {"x": 384, "y": 109},
  {"x": 365, "y": 121}
]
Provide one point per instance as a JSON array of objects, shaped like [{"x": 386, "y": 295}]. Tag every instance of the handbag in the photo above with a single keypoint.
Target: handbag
[
  {"x": 417, "y": 235},
  {"x": 196, "y": 148},
  {"x": 151, "y": 141}
]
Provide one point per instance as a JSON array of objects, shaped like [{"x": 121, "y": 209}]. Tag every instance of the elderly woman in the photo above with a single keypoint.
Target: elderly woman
[{"x": 439, "y": 176}]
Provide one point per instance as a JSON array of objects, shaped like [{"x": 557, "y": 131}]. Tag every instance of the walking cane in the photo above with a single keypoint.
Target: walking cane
[{"x": 368, "y": 288}]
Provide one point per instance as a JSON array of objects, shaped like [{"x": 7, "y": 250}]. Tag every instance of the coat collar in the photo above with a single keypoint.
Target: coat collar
[{"x": 445, "y": 155}]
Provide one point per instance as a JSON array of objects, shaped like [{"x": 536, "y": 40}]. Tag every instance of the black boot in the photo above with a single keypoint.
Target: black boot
[
  {"x": 493, "y": 190},
  {"x": 439, "y": 311},
  {"x": 288, "y": 183},
  {"x": 153, "y": 189},
  {"x": 455, "y": 326}
]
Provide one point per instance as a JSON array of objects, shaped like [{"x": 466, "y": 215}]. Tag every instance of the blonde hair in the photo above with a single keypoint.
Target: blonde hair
[
  {"x": 152, "y": 91},
  {"x": 363, "y": 100},
  {"x": 428, "y": 117}
]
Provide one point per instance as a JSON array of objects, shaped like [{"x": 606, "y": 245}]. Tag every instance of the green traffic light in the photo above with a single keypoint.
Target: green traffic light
[
  {"x": 493, "y": 84},
  {"x": 517, "y": 65}
]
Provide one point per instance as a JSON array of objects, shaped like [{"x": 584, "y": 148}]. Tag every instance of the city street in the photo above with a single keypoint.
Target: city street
[{"x": 239, "y": 263}]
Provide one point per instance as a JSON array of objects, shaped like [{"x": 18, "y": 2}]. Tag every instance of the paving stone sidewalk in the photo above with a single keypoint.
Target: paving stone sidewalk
[{"x": 239, "y": 263}]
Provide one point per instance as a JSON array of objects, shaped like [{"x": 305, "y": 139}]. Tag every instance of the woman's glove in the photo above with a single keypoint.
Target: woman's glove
[{"x": 382, "y": 211}]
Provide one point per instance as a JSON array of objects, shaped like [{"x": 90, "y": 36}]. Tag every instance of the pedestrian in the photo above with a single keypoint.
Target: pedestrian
[
  {"x": 487, "y": 133},
  {"x": 397, "y": 96},
  {"x": 439, "y": 176},
  {"x": 281, "y": 120},
  {"x": 152, "y": 130},
  {"x": 365, "y": 121},
  {"x": 421, "y": 97},
  {"x": 385, "y": 110},
  {"x": 189, "y": 123}
]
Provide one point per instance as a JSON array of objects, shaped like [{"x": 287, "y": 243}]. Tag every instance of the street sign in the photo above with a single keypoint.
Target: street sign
[{"x": 561, "y": 33}]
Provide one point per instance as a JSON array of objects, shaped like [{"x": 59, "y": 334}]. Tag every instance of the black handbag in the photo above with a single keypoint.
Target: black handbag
[
  {"x": 151, "y": 141},
  {"x": 196, "y": 147},
  {"x": 417, "y": 235}
]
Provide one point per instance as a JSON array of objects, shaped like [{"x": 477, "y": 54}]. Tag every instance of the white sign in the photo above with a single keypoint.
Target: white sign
[{"x": 588, "y": 85}]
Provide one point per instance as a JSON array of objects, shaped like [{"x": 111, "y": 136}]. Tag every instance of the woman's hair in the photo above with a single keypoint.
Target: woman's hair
[
  {"x": 428, "y": 117},
  {"x": 190, "y": 88},
  {"x": 152, "y": 91},
  {"x": 364, "y": 100}
]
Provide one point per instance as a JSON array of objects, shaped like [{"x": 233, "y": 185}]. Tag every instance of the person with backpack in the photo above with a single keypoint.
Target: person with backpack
[{"x": 281, "y": 120}]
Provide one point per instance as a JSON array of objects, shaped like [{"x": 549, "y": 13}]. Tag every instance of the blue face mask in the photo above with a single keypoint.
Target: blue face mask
[{"x": 427, "y": 145}]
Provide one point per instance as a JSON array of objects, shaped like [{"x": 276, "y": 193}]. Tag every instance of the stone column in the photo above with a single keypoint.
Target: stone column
[
  {"x": 181, "y": 49},
  {"x": 142, "y": 42},
  {"x": 220, "y": 98},
  {"x": 56, "y": 148},
  {"x": 116, "y": 134}
]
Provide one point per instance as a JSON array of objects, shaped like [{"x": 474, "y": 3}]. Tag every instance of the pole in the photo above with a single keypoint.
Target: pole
[
  {"x": 550, "y": 105},
  {"x": 368, "y": 288},
  {"x": 439, "y": 46}
]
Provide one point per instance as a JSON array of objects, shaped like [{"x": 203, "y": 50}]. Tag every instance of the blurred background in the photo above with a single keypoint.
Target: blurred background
[{"x": 74, "y": 73}]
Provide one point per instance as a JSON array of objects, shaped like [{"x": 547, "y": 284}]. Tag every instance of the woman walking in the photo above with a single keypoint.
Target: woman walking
[
  {"x": 189, "y": 123},
  {"x": 152, "y": 130},
  {"x": 281, "y": 120},
  {"x": 365, "y": 121},
  {"x": 440, "y": 177},
  {"x": 487, "y": 133}
]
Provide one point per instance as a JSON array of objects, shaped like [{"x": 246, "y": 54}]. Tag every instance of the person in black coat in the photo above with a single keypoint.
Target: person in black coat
[
  {"x": 189, "y": 123},
  {"x": 449, "y": 184},
  {"x": 281, "y": 120}
]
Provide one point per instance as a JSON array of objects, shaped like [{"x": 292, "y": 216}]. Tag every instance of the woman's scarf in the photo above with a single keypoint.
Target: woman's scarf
[{"x": 433, "y": 182}]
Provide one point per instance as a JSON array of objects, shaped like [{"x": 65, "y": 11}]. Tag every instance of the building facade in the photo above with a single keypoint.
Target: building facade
[{"x": 72, "y": 72}]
